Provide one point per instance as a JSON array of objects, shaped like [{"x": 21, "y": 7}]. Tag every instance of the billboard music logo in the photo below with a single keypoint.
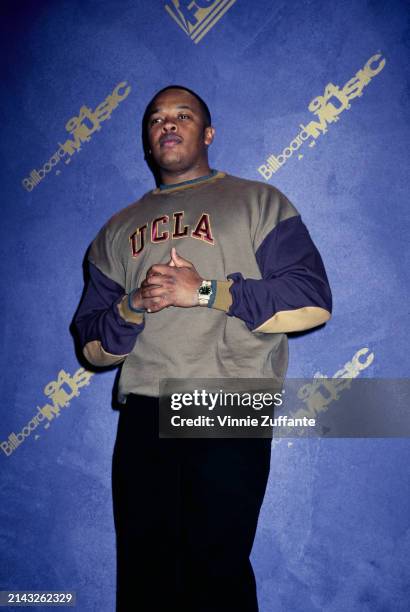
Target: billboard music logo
[
  {"x": 197, "y": 17},
  {"x": 59, "y": 393},
  {"x": 327, "y": 109},
  {"x": 80, "y": 130}
]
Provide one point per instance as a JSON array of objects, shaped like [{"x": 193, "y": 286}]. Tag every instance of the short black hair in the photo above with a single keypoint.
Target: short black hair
[{"x": 204, "y": 107}]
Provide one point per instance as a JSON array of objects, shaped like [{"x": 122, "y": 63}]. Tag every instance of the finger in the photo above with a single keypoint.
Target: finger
[
  {"x": 158, "y": 269},
  {"x": 152, "y": 304},
  {"x": 150, "y": 282},
  {"x": 179, "y": 261},
  {"x": 170, "y": 263},
  {"x": 155, "y": 304},
  {"x": 154, "y": 307},
  {"x": 156, "y": 297},
  {"x": 151, "y": 293},
  {"x": 166, "y": 281},
  {"x": 150, "y": 270}
]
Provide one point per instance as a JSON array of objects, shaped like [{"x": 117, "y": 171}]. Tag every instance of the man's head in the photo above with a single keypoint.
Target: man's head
[{"x": 177, "y": 132}]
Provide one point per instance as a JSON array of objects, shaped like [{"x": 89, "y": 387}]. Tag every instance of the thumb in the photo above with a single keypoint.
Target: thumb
[{"x": 178, "y": 261}]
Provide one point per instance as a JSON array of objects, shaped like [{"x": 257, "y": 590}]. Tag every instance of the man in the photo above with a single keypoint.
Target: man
[{"x": 201, "y": 278}]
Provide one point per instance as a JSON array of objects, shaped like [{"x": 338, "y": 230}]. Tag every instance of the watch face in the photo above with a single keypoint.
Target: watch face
[{"x": 205, "y": 290}]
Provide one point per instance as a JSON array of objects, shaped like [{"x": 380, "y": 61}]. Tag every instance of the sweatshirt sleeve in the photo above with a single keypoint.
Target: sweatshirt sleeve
[
  {"x": 108, "y": 329},
  {"x": 293, "y": 293}
]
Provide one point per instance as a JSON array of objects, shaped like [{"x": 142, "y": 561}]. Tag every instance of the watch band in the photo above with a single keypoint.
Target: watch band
[{"x": 206, "y": 293}]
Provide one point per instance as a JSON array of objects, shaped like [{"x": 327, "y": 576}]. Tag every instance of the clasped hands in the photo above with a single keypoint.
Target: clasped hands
[{"x": 172, "y": 284}]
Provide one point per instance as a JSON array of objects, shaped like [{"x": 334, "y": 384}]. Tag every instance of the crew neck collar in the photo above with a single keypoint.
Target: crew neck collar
[
  {"x": 192, "y": 184},
  {"x": 163, "y": 187}
]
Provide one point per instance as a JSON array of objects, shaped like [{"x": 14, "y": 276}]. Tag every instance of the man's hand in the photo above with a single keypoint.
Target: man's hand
[{"x": 172, "y": 284}]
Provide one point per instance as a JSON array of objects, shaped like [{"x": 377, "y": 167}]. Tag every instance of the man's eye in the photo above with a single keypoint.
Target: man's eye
[
  {"x": 183, "y": 116},
  {"x": 155, "y": 120}
]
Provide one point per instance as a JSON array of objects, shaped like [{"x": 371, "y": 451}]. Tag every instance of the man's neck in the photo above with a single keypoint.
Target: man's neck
[
  {"x": 198, "y": 179},
  {"x": 174, "y": 178}
]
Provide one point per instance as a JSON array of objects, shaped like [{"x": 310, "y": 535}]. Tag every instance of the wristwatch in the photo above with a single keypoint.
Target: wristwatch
[{"x": 205, "y": 292}]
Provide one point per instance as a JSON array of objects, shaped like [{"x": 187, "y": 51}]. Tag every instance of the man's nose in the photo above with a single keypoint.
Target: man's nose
[{"x": 169, "y": 125}]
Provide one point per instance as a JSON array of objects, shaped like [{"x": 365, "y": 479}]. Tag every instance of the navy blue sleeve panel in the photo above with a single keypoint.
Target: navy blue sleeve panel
[
  {"x": 294, "y": 292},
  {"x": 107, "y": 328}
]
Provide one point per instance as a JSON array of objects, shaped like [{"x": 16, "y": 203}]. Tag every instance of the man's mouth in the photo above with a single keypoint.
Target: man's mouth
[{"x": 170, "y": 140}]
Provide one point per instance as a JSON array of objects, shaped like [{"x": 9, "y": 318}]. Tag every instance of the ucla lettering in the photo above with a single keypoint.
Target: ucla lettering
[
  {"x": 178, "y": 233},
  {"x": 161, "y": 231},
  {"x": 137, "y": 240},
  {"x": 156, "y": 236},
  {"x": 203, "y": 229}
]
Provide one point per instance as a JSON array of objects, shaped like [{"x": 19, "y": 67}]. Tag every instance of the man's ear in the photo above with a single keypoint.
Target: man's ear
[{"x": 209, "y": 134}]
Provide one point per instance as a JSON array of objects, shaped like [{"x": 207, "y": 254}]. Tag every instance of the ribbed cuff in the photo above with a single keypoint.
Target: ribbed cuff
[
  {"x": 130, "y": 306},
  {"x": 130, "y": 315},
  {"x": 223, "y": 297}
]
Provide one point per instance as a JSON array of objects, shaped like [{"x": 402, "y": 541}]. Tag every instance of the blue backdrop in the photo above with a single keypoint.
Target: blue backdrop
[{"x": 311, "y": 96}]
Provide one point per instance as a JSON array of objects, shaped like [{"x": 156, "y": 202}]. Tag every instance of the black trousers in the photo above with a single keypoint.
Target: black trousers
[{"x": 185, "y": 513}]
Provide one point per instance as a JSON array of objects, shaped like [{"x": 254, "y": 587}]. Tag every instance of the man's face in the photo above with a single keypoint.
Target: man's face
[{"x": 176, "y": 134}]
